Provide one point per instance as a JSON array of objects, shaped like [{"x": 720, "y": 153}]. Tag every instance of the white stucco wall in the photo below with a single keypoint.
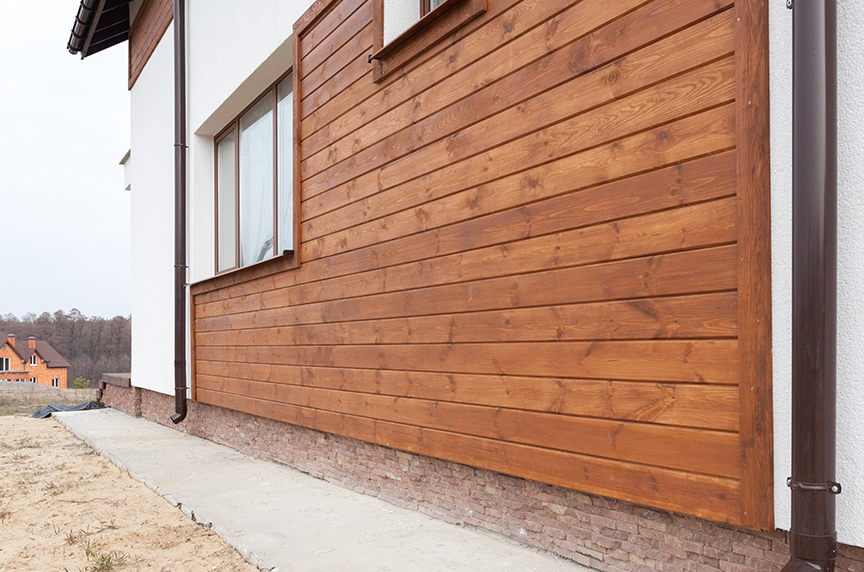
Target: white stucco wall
[
  {"x": 850, "y": 311},
  {"x": 399, "y": 15},
  {"x": 152, "y": 137},
  {"x": 236, "y": 50}
]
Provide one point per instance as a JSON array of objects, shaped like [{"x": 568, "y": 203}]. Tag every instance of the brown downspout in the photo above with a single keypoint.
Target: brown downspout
[
  {"x": 813, "y": 536},
  {"x": 179, "y": 211}
]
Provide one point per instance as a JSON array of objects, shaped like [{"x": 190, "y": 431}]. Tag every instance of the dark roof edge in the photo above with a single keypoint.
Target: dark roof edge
[
  {"x": 99, "y": 24},
  {"x": 81, "y": 28}
]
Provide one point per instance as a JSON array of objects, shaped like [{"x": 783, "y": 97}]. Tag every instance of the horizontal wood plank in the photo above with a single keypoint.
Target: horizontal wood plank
[
  {"x": 685, "y": 317},
  {"x": 686, "y": 183},
  {"x": 669, "y": 360},
  {"x": 355, "y": 18},
  {"x": 688, "y": 272},
  {"x": 706, "y": 132},
  {"x": 355, "y": 46},
  {"x": 694, "y": 450},
  {"x": 476, "y": 147},
  {"x": 705, "y": 224},
  {"x": 685, "y": 405},
  {"x": 383, "y": 140}
]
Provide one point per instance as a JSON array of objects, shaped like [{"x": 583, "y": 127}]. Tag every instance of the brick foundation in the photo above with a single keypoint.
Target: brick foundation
[{"x": 602, "y": 533}]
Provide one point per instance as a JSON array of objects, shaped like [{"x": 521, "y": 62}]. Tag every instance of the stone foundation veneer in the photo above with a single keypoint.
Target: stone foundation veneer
[{"x": 602, "y": 533}]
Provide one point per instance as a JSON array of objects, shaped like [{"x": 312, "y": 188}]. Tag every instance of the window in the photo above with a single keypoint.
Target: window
[
  {"x": 32, "y": 380},
  {"x": 427, "y": 6},
  {"x": 33, "y": 360},
  {"x": 255, "y": 181},
  {"x": 55, "y": 382},
  {"x": 4, "y": 364},
  {"x": 402, "y": 28}
]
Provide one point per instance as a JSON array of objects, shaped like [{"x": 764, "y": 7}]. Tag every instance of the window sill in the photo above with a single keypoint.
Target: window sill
[
  {"x": 248, "y": 273},
  {"x": 414, "y": 41}
]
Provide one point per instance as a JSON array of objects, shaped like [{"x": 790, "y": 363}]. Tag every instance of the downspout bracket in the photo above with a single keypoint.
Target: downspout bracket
[{"x": 832, "y": 487}]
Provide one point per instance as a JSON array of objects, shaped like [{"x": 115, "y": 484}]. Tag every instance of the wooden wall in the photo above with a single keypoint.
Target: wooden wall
[
  {"x": 149, "y": 26},
  {"x": 538, "y": 247}
]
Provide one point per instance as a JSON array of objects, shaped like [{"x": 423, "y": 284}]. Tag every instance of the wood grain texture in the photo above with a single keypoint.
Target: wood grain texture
[
  {"x": 757, "y": 438},
  {"x": 694, "y": 450},
  {"x": 684, "y": 405},
  {"x": 147, "y": 30},
  {"x": 537, "y": 247},
  {"x": 682, "y": 184}
]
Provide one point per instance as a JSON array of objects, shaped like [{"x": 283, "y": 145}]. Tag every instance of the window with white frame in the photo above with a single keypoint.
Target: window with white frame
[
  {"x": 32, "y": 380},
  {"x": 255, "y": 181},
  {"x": 4, "y": 364},
  {"x": 55, "y": 382},
  {"x": 34, "y": 360}
]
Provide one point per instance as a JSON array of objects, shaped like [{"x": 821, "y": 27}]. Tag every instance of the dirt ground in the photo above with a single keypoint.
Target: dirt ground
[{"x": 65, "y": 508}]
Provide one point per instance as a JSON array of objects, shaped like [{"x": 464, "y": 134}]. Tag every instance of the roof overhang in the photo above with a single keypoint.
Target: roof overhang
[{"x": 98, "y": 25}]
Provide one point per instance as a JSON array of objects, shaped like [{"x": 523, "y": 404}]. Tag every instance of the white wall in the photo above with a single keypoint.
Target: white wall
[
  {"x": 236, "y": 50},
  {"x": 399, "y": 15},
  {"x": 152, "y": 136},
  {"x": 850, "y": 311}
]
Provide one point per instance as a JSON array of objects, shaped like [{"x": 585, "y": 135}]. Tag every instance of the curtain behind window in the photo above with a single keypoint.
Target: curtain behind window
[{"x": 256, "y": 183}]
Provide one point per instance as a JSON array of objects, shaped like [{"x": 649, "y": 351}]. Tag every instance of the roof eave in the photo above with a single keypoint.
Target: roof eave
[{"x": 99, "y": 24}]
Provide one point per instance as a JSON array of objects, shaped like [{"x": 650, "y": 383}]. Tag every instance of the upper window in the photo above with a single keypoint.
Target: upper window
[
  {"x": 402, "y": 28},
  {"x": 254, "y": 182},
  {"x": 33, "y": 360},
  {"x": 4, "y": 364},
  {"x": 399, "y": 15}
]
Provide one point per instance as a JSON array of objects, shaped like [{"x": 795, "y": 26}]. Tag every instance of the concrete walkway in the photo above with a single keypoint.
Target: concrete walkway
[{"x": 281, "y": 519}]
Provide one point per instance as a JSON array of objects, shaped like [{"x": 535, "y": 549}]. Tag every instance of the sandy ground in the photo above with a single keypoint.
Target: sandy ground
[{"x": 65, "y": 508}]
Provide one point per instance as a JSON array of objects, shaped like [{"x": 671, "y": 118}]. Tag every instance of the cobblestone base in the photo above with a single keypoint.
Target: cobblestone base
[{"x": 604, "y": 534}]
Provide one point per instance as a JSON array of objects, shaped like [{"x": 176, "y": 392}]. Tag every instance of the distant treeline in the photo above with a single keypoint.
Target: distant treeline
[{"x": 92, "y": 346}]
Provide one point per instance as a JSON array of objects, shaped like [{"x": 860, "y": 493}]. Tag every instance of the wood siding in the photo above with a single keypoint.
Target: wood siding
[
  {"x": 537, "y": 247},
  {"x": 149, "y": 26}
]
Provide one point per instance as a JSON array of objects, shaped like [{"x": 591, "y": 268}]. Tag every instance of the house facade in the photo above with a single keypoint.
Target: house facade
[
  {"x": 523, "y": 265},
  {"x": 34, "y": 361}
]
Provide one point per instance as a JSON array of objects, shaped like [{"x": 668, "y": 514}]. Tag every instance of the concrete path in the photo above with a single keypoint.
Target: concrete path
[{"x": 281, "y": 519}]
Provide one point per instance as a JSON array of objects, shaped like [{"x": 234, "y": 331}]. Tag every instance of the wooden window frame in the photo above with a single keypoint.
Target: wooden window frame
[
  {"x": 234, "y": 127},
  {"x": 424, "y": 7},
  {"x": 432, "y": 26}
]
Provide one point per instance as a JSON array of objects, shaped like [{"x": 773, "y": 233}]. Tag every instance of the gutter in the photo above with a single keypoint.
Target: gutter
[
  {"x": 179, "y": 211},
  {"x": 813, "y": 536},
  {"x": 83, "y": 23}
]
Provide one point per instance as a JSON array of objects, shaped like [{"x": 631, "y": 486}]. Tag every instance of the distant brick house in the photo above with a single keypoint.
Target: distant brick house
[{"x": 36, "y": 362}]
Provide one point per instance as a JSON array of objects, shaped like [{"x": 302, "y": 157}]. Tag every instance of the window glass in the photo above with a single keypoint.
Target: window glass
[
  {"x": 256, "y": 183},
  {"x": 434, "y": 4},
  {"x": 285, "y": 162},
  {"x": 226, "y": 204}
]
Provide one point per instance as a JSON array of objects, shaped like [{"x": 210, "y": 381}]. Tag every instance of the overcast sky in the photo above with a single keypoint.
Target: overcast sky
[{"x": 64, "y": 216}]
